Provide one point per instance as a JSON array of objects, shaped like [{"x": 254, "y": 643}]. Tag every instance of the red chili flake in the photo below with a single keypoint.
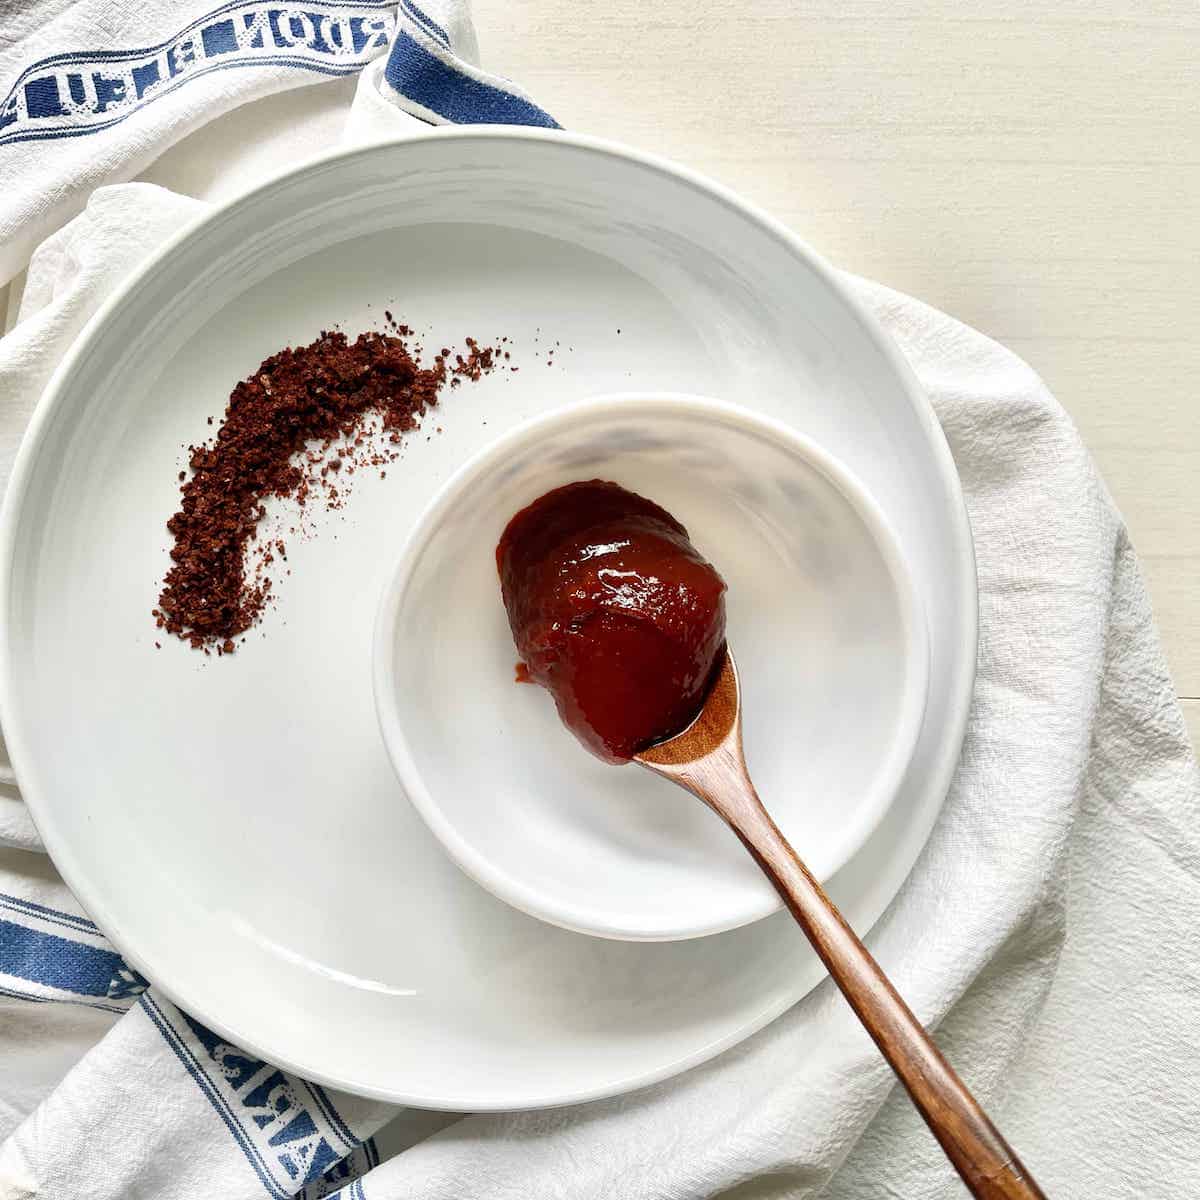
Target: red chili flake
[
  {"x": 479, "y": 360},
  {"x": 324, "y": 399}
]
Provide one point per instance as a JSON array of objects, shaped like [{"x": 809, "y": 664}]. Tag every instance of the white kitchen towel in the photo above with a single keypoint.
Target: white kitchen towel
[
  {"x": 96, "y": 90},
  {"x": 1048, "y": 928}
]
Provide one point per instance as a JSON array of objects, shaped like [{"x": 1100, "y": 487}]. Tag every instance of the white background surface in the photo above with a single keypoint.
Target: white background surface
[{"x": 1033, "y": 170}]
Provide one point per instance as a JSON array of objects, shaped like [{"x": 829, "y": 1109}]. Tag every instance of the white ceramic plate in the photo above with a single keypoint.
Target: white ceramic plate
[
  {"x": 823, "y": 617},
  {"x": 234, "y": 825}
]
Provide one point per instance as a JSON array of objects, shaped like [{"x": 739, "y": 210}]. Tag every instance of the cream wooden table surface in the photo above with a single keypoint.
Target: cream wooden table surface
[{"x": 1032, "y": 169}]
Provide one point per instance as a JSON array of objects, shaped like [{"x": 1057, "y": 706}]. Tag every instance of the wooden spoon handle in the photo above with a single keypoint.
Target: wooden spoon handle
[{"x": 988, "y": 1165}]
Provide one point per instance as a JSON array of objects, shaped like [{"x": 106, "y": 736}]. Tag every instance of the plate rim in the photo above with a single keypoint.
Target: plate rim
[{"x": 961, "y": 677}]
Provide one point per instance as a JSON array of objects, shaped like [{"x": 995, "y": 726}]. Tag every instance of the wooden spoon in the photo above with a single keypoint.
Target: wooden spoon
[{"x": 707, "y": 760}]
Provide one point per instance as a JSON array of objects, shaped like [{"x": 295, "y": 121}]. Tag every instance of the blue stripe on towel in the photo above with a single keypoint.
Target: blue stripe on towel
[
  {"x": 49, "y": 99},
  {"x": 331, "y": 1114},
  {"x": 56, "y": 962},
  {"x": 239, "y": 64},
  {"x": 427, "y": 23},
  {"x": 30, "y": 997},
  {"x": 264, "y": 1110},
  {"x": 77, "y": 57},
  {"x": 337, "y": 1180},
  {"x": 206, "y": 1086},
  {"x": 56, "y": 915},
  {"x": 435, "y": 85}
]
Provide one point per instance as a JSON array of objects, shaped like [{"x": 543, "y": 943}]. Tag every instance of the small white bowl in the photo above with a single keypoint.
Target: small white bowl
[{"x": 828, "y": 630}]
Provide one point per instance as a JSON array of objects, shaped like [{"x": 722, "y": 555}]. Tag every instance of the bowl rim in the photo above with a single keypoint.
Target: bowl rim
[
  {"x": 959, "y": 673},
  {"x": 610, "y": 409}
]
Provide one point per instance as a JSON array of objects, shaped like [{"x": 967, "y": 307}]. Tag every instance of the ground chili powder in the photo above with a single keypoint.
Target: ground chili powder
[{"x": 303, "y": 420}]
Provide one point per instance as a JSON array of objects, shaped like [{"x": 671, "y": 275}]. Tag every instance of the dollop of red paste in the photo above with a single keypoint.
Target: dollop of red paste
[{"x": 614, "y": 612}]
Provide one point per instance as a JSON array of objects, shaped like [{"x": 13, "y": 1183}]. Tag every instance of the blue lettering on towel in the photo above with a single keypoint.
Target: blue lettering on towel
[{"x": 81, "y": 92}]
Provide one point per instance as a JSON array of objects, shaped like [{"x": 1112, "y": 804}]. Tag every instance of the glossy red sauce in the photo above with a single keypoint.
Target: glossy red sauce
[{"x": 614, "y": 612}]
